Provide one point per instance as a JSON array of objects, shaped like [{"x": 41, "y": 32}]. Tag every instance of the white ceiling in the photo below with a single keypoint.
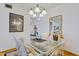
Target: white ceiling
[{"x": 30, "y": 5}]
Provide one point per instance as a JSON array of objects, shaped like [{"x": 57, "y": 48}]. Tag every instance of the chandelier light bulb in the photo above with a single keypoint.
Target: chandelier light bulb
[
  {"x": 31, "y": 12},
  {"x": 44, "y": 12},
  {"x": 41, "y": 15},
  {"x": 37, "y": 10},
  {"x": 34, "y": 15}
]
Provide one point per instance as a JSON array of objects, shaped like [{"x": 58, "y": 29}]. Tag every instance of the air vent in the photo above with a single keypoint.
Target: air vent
[{"x": 8, "y": 6}]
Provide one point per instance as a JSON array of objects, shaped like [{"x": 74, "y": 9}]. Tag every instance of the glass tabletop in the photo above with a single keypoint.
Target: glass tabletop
[{"x": 45, "y": 45}]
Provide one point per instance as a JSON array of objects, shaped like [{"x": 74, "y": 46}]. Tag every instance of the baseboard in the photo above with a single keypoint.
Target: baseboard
[{"x": 71, "y": 52}]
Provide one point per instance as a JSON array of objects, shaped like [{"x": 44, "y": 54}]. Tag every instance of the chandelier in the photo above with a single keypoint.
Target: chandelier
[{"x": 37, "y": 12}]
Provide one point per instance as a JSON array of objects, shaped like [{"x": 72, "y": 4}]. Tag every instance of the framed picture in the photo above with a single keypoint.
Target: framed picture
[
  {"x": 16, "y": 22},
  {"x": 56, "y": 25}
]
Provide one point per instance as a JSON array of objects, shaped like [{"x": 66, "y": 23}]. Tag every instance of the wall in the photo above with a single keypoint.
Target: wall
[
  {"x": 6, "y": 37},
  {"x": 70, "y": 14}
]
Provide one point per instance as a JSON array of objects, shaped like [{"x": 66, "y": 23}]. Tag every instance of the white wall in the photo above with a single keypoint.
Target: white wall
[
  {"x": 70, "y": 13},
  {"x": 6, "y": 37}
]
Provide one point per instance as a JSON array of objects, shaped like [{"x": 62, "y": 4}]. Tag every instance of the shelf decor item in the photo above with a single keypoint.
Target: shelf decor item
[
  {"x": 55, "y": 37},
  {"x": 16, "y": 22}
]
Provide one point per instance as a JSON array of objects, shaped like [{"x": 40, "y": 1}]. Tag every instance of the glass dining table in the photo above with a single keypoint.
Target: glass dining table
[{"x": 47, "y": 48}]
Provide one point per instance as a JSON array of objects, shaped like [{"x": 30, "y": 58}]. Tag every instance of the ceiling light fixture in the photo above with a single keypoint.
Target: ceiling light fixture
[{"x": 37, "y": 12}]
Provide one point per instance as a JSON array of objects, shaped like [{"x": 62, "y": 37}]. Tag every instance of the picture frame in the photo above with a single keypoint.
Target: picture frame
[
  {"x": 56, "y": 25},
  {"x": 16, "y": 22}
]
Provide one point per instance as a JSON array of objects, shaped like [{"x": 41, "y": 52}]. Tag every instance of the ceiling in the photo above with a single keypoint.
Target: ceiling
[{"x": 30, "y": 5}]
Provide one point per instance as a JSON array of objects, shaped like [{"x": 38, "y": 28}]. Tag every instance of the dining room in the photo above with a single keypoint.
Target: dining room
[{"x": 39, "y": 29}]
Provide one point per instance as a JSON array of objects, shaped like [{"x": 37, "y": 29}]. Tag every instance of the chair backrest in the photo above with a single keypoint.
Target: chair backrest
[{"x": 56, "y": 50}]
